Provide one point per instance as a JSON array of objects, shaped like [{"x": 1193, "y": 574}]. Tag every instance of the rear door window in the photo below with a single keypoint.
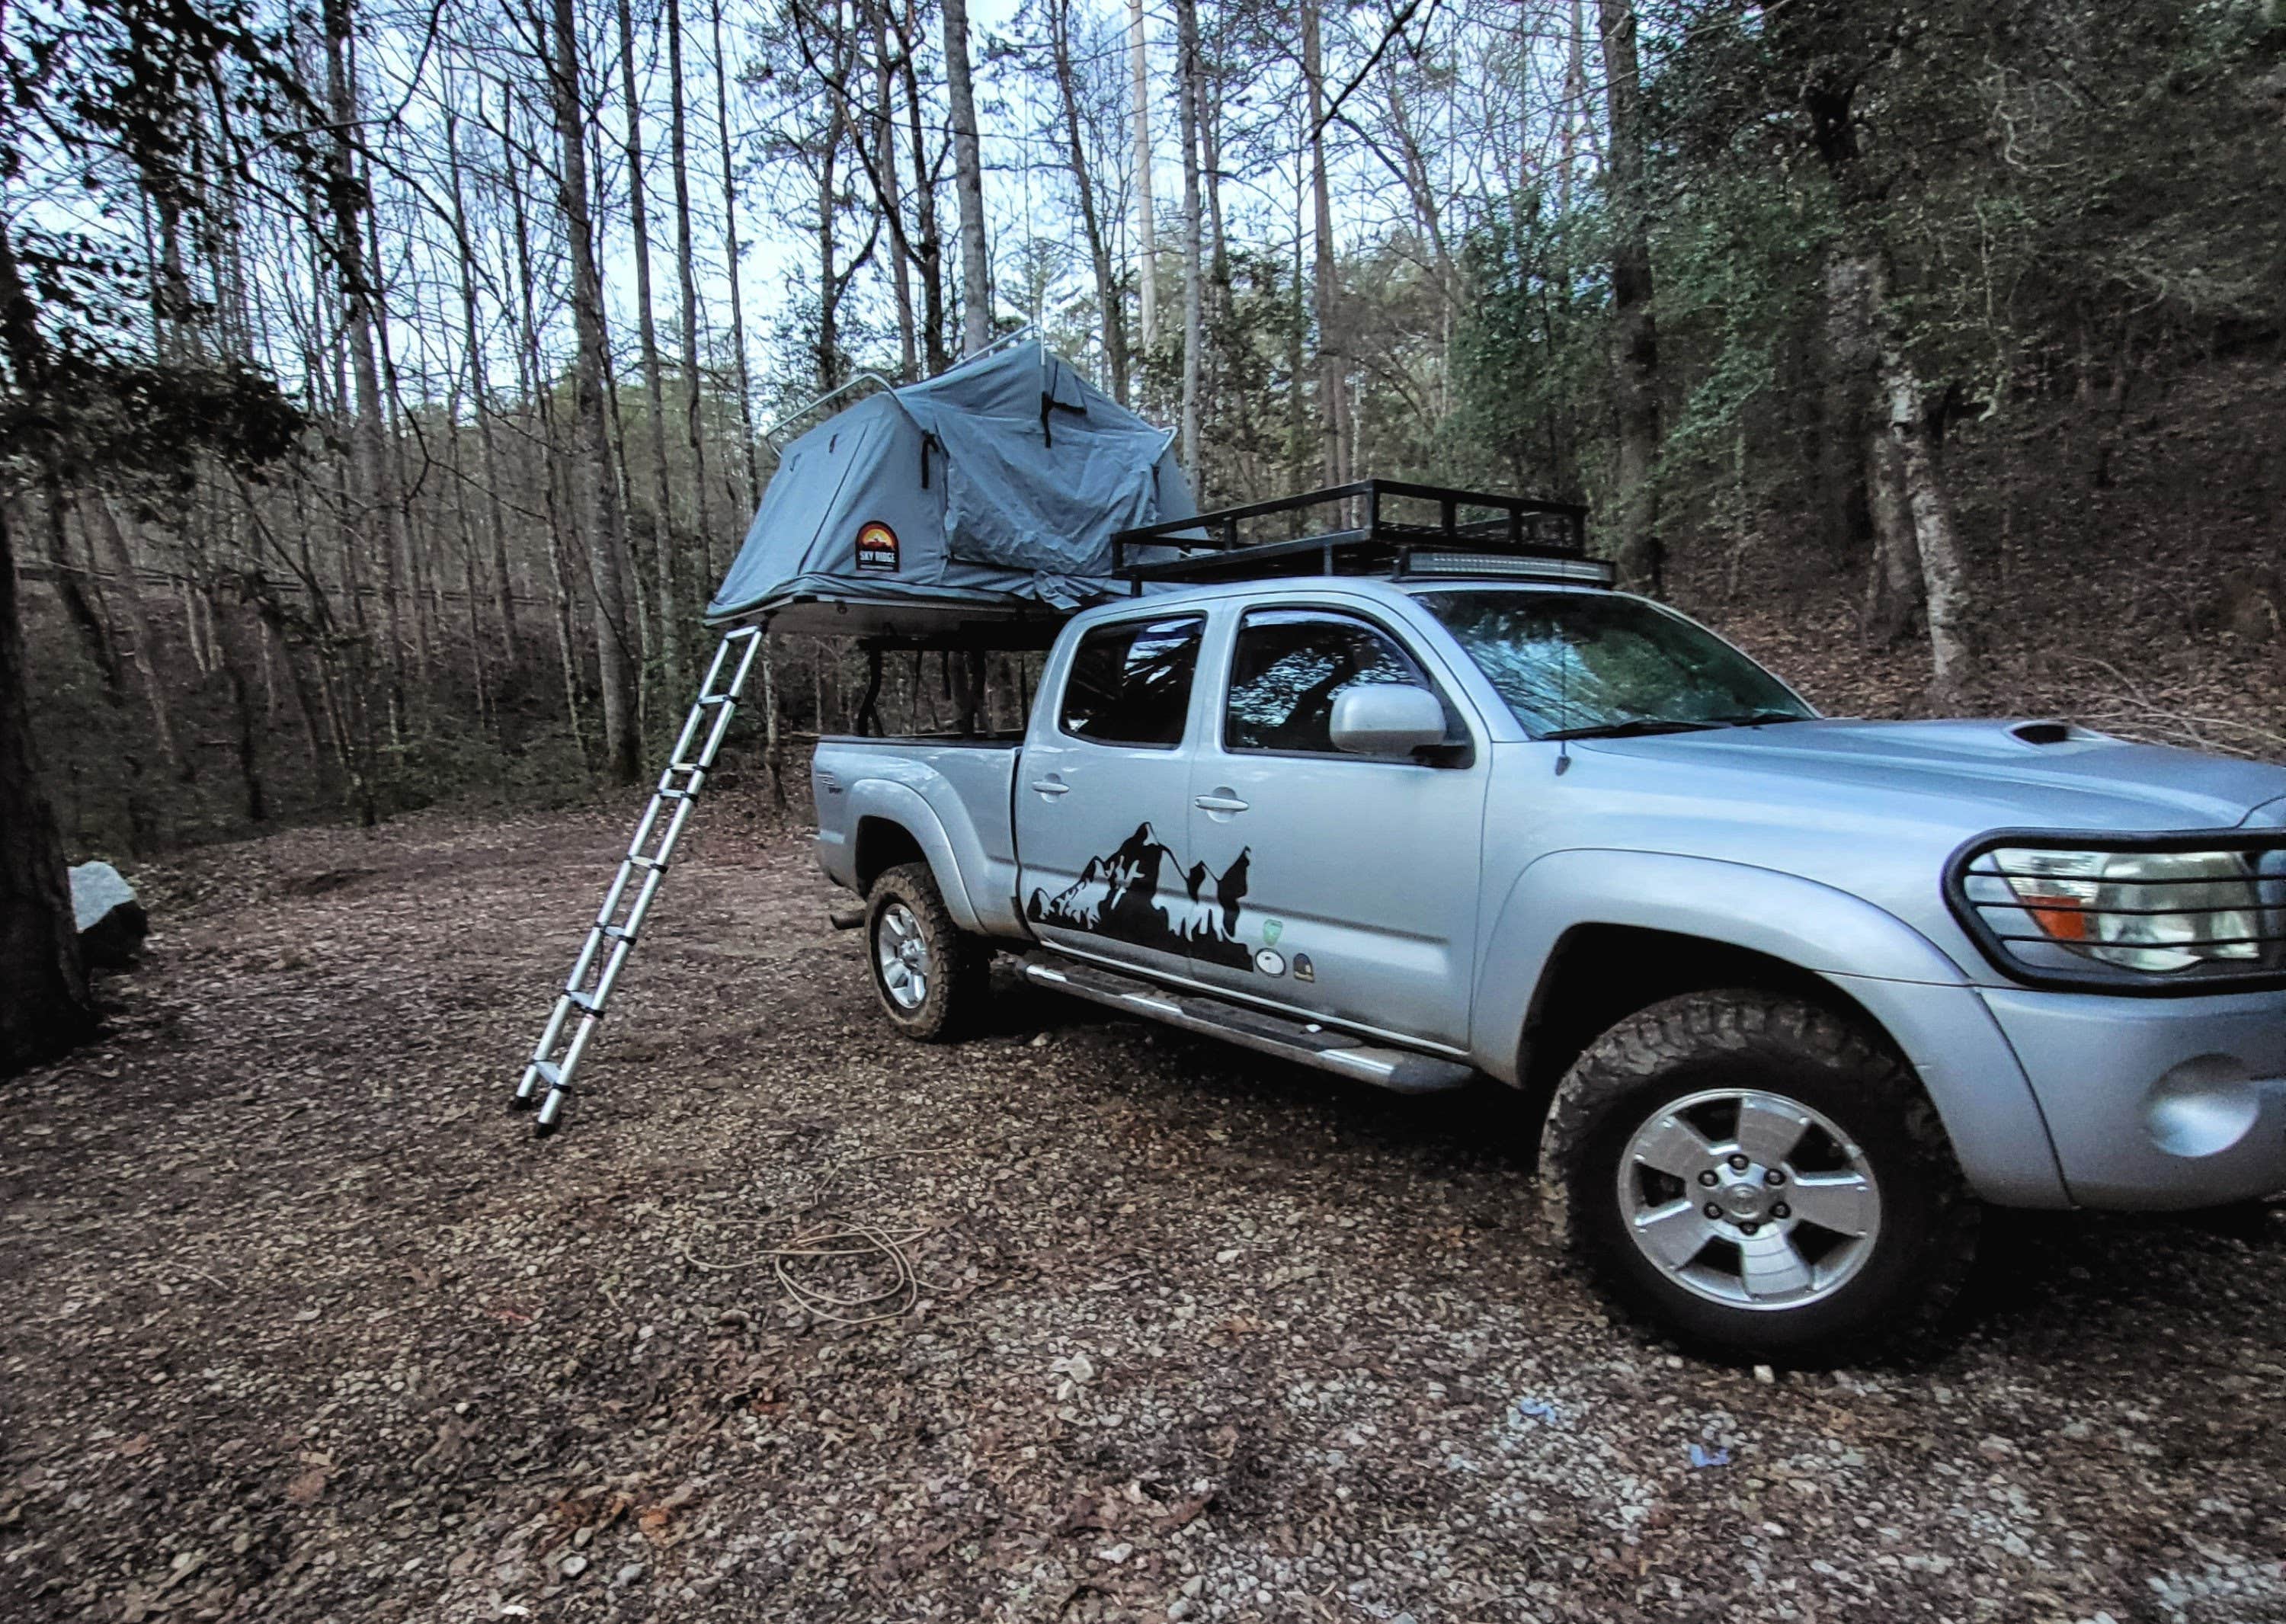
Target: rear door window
[{"x": 1130, "y": 681}]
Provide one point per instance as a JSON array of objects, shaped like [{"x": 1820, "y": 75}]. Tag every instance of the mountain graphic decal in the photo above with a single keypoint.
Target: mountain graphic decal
[{"x": 1119, "y": 895}]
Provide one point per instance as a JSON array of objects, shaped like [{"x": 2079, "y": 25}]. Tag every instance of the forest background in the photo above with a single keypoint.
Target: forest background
[{"x": 385, "y": 383}]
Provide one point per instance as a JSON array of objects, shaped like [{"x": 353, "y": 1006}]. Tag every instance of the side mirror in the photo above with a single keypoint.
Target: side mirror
[{"x": 1386, "y": 720}]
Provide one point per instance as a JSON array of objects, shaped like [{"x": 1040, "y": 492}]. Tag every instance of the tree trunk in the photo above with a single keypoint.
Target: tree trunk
[
  {"x": 606, "y": 527},
  {"x": 1861, "y": 473},
  {"x": 1955, "y": 676},
  {"x": 891, "y": 191},
  {"x": 929, "y": 250},
  {"x": 968, "y": 183},
  {"x": 1098, "y": 247},
  {"x": 670, "y": 652},
  {"x": 480, "y": 403},
  {"x": 1894, "y": 587},
  {"x": 730, "y": 258},
  {"x": 45, "y": 1007},
  {"x": 1634, "y": 335},
  {"x": 1186, "y": 80},
  {"x": 1146, "y": 224},
  {"x": 103, "y": 528},
  {"x": 1900, "y": 406},
  {"x": 1333, "y": 390},
  {"x": 693, "y": 415},
  {"x": 371, "y": 498}
]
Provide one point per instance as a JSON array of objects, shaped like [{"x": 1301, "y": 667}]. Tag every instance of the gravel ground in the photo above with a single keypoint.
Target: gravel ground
[{"x": 300, "y": 1325}]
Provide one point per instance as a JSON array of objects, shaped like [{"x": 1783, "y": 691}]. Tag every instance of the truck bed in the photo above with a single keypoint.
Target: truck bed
[{"x": 956, "y": 789}]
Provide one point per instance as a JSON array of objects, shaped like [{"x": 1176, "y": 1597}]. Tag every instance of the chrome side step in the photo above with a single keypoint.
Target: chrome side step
[{"x": 1306, "y": 1043}]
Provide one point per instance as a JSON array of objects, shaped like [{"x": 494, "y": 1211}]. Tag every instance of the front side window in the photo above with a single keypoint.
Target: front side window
[
  {"x": 1131, "y": 683},
  {"x": 1289, "y": 666},
  {"x": 1573, "y": 664}
]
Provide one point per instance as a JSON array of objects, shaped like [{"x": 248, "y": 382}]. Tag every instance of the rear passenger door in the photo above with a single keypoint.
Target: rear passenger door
[
  {"x": 1103, "y": 795},
  {"x": 1347, "y": 886}
]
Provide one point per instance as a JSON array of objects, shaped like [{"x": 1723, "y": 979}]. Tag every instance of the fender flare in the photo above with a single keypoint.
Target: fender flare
[
  {"x": 1921, "y": 998},
  {"x": 902, "y": 806}
]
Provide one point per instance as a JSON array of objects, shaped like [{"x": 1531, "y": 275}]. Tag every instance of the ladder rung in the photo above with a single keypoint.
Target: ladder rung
[
  {"x": 676, "y": 794},
  {"x": 586, "y": 1001},
  {"x": 648, "y": 862},
  {"x": 550, "y": 1073},
  {"x": 718, "y": 699},
  {"x": 617, "y": 933}
]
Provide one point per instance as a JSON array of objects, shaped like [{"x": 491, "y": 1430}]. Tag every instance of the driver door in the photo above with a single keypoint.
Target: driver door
[{"x": 1343, "y": 886}]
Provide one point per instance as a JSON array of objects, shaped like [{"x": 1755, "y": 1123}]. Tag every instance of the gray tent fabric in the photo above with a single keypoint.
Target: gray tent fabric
[{"x": 995, "y": 487}]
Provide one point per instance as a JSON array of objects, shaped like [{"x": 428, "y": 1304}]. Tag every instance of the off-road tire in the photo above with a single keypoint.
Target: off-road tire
[
  {"x": 1896, "y": 1304},
  {"x": 959, "y": 981}
]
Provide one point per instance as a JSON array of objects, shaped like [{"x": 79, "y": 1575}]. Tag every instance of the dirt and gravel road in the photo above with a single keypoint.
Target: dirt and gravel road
[{"x": 299, "y": 1325}]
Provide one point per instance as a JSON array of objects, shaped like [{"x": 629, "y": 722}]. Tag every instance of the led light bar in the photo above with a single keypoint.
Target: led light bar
[{"x": 1595, "y": 571}]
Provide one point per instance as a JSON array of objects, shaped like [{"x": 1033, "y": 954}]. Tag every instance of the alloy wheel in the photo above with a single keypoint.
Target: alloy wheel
[{"x": 1749, "y": 1199}]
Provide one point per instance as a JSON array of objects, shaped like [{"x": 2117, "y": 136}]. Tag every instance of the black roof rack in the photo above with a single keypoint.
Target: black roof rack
[{"x": 1373, "y": 527}]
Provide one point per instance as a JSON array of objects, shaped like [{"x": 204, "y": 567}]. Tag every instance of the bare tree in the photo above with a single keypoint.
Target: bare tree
[
  {"x": 45, "y": 1007},
  {"x": 968, "y": 183},
  {"x": 731, "y": 260},
  {"x": 1147, "y": 228},
  {"x": 1187, "y": 82},
  {"x": 1333, "y": 382},
  {"x": 654, "y": 390},
  {"x": 687, "y": 281},
  {"x": 1108, "y": 297},
  {"x": 606, "y": 527},
  {"x": 1634, "y": 333}
]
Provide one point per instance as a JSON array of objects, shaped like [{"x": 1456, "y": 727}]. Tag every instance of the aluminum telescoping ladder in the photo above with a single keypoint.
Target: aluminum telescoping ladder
[{"x": 546, "y": 1080}]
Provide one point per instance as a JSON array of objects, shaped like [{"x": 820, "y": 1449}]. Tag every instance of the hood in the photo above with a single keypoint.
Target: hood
[{"x": 1968, "y": 775}]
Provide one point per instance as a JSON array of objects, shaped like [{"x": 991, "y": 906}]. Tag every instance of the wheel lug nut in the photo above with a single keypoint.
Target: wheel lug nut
[
  {"x": 1749, "y": 1226},
  {"x": 1738, "y": 1163},
  {"x": 1774, "y": 1176},
  {"x": 1781, "y": 1210},
  {"x": 1714, "y": 1210},
  {"x": 1710, "y": 1179}
]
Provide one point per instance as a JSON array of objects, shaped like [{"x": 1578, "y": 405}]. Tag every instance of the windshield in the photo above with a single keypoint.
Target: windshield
[{"x": 1572, "y": 665}]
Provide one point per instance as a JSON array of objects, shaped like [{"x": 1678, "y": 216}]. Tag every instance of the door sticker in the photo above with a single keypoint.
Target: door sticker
[
  {"x": 877, "y": 548},
  {"x": 1303, "y": 970},
  {"x": 1269, "y": 963},
  {"x": 1272, "y": 929},
  {"x": 1118, "y": 896}
]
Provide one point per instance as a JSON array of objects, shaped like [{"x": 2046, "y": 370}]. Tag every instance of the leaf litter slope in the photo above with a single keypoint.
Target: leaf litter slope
[{"x": 302, "y": 1325}]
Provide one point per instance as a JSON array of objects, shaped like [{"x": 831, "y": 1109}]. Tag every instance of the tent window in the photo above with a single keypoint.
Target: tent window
[{"x": 1131, "y": 683}]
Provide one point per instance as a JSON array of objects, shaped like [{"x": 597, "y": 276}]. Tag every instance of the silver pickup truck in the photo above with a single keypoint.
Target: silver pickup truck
[{"x": 1799, "y": 996}]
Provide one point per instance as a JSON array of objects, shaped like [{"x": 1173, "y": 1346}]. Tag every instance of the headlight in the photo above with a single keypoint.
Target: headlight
[
  {"x": 2148, "y": 910},
  {"x": 2148, "y": 913}
]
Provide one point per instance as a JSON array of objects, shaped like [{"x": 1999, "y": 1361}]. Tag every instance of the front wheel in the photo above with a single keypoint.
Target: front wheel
[
  {"x": 1753, "y": 1177},
  {"x": 929, "y": 974}
]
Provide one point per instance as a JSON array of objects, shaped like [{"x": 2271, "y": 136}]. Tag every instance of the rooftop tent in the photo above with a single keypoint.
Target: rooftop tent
[{"x": 988, "y": 494}]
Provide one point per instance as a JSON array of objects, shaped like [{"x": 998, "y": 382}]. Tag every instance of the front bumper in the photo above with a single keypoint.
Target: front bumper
[{"x": 2152, "y": 1103}]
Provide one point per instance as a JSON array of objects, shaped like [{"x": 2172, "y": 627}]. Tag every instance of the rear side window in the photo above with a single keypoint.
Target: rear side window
[
  {"x": 1131, "y": 683},
  {"x": 1289, "y": 666}
]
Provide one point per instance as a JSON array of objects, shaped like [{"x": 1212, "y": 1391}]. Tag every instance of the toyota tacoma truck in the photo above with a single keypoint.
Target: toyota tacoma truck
[{"x": 1796, "y": 998}]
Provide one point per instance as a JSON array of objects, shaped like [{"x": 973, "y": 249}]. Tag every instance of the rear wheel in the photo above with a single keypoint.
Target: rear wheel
[
  {"x": 1753, "y": 1176},
  {"x": 929, "y": 974}
]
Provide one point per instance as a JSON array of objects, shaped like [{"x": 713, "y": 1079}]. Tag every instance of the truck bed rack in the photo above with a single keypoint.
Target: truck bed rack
[{"x": 1382, "y": 527}]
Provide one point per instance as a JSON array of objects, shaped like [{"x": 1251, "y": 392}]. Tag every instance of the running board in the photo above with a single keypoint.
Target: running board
[{"x": 1306, "y": 1043}]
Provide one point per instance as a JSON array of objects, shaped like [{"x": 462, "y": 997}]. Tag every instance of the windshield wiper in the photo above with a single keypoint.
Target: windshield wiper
[
  {"x": 1637, "y": 728},
  {"x": 1757, "y": 719}
]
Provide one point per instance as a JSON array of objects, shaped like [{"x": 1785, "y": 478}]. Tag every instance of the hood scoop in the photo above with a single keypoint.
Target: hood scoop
[{"x": 2047, "y": 732}]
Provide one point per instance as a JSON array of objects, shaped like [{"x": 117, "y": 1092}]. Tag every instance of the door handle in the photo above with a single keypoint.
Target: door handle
[
  {"x": 1221, "y": 801},
  {"x": 1051, "y": 788}
]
